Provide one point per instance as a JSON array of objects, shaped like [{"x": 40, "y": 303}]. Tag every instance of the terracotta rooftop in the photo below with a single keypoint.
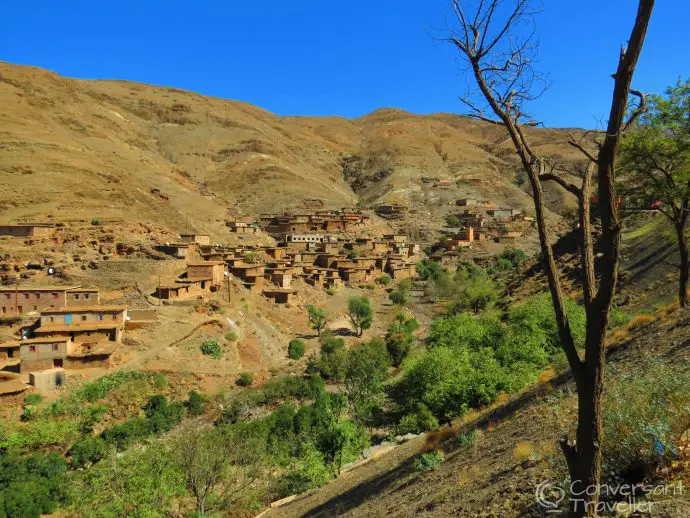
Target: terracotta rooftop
[
  {"x": 40, "y": 340},
  {"x": 205, "y": 263}
]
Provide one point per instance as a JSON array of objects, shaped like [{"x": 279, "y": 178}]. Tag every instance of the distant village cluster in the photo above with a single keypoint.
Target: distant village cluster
[
  {"x": 481, "y": 220},
  {"x": 316, "y": 248}
]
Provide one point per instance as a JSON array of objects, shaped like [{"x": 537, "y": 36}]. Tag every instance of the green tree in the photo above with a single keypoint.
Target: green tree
[
  {"x": 655, "y": 161},
  {"x": 399, "y": 297},
  {"x": 360, "y": 313},
  {"x": 296, "y": 349},
  {"x": 428, "y": 269},
  {"x": 367, "y": 366},
  {"x": 318, "y": 318}
]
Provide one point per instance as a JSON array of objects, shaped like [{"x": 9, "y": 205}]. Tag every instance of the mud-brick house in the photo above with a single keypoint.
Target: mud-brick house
[
  {"x": 276, "y": 253},
  {"x": 398, "y": 239},
  {"x": 19, "y": 299},
  {"x": 177, "y": 250},
  {"x": 356, "y": 274},
  {"x": 27, "y": 230},
  {"x": 10, "y": 356},
  {"x": 199, "y": 239},
  {"x": 279, "y": 295},
  {"x": 83, "y": 323},
  {"x": 279, "y": 276},
  {"x": 90, "y": 354},
  {"x": 251, "y": 275},
  {"x": 210, "y": 272},
  {"x": 400, "y": 271},
  {"x": 43, "y": 353},
  {"x": 181, "y": 289},
  {"x": 241, "y": 227},
  {"x": 82, "y": 296}
]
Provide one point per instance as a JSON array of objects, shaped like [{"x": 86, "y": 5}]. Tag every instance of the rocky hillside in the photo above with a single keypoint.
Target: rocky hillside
[{"x": 138, "y": 153}]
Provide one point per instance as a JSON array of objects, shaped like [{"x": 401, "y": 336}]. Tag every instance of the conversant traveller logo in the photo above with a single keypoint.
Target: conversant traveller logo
[{"x": 613, "y": 497}]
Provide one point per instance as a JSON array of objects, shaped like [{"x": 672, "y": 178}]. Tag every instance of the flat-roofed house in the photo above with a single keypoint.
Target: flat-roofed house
[
  {"x": 82, "y": 297},
  {"x": 206, "y": 271},
  {"x": 83, "y": 323},
  {"x": 27, "y": 229},
  {"x": 19, "y": 299},
  {"x": 199, "y": 239},
  {"x": 43, "y": 353}
]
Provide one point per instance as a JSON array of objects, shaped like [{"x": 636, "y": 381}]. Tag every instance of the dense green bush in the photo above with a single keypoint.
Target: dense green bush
[
  {"x": 366, "y": 370},
  {"x": 427, "y": 461},
  {"x": 399, "y": 297},
  {"x": 429, "y": 270},
  {"x": 196, "y": 403},
  {"x": 331, "y": 363},
  {"x": 384, "y": 279},
  {"x": 511, "y": 257},
  {"x": 296, "y": 349},
  {"x": 245, "y": 379},
  {"x": 103, "y": 386},
  {"x": 399, "y": 338},
  {"x": 212, "y": 349},
  {"x": 420, "y": 420},
  {"x": 31, "y": 486},
  {"x": 88, "y": 451}
]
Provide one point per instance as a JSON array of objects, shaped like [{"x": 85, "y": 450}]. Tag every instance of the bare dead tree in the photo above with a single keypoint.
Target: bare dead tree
[{"x": 496, "y": 39}]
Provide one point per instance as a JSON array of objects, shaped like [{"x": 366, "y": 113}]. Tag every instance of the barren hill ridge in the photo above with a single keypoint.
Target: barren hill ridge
[{"x": 125, "y": 151}]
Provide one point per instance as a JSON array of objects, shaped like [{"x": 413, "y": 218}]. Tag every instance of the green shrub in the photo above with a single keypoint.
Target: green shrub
[
  {"x": 427, "y": 461},
  {"x": 88, "y": 451},
  {"x": 96, "y": 221},
  {"x": 90, "y": 416},
  {"x": 399, "y": 297},
  {"x": 511, "y": 257},
  {"x": 33, "y": 399},
  {"x": 231, "y": 336},
  {"x": 384, "y": 279},
  {"x": 296, "y": 349},
  {"x": 469, "y": 440},
  {"x": 196, "y": 403},
  {"x": 31, "y": 486},
  {"x": 429, "y": 270},
  {"x": 212, "y": 349},
  {"x": 452, "y": 220},
  {"x": 419, "y": 421},
  {"x": 103, "y": 386},
  {"x": 123, "y": 435},
  {"x": 245, "y": 379}
]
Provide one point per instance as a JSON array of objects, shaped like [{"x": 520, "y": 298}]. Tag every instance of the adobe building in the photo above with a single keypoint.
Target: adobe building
[
  {"x": 181, "y": 289},
  {"x": 47, "y": 379},
  {"x": 20, "y": 299},
  {"x": 279, "y": 295},
  {"x": 43, "y": 353},
  {"x": 83, "y": 323},
  {"x": 27, "y": 230},
  {"x": 199, "y": 239},
  {"x": 177, "y": 250},
  {"x": 210, "y": 272}
]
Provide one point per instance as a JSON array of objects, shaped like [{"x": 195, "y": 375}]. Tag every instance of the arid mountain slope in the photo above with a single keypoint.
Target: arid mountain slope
[{"x": 114, "y": 149}]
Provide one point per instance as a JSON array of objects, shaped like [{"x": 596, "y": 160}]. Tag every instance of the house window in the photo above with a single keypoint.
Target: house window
[
  {"x": 76, "y": 296},
  {"x": 100, "y": 317},
  {"x": 86, "y": 296},
  {"x": 114, "y": 317},
  {"x": 35, "y": 308},
  {"x": 55, "y": 347},
  {"x": 83, "y": 318},
  {"x": 32, "y": 348},
  {"x": 55, "y": 295},
  {"x": 26, "y": 295}
]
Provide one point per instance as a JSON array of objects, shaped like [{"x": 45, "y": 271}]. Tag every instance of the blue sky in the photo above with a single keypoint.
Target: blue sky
[{"x": 327, "y": 57}]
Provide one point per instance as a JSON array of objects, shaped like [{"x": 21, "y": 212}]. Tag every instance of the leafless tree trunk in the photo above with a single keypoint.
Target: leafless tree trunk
[
  {"x": 497, "y": 42},
  {"x": 684, "y": 262}
]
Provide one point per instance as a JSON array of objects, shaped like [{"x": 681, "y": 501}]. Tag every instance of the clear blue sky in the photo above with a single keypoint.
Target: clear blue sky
[{"x": 327, "y": 57}]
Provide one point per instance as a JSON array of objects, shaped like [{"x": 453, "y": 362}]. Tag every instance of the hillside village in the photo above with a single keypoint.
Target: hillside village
[{"x": 210, "y": 310}]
